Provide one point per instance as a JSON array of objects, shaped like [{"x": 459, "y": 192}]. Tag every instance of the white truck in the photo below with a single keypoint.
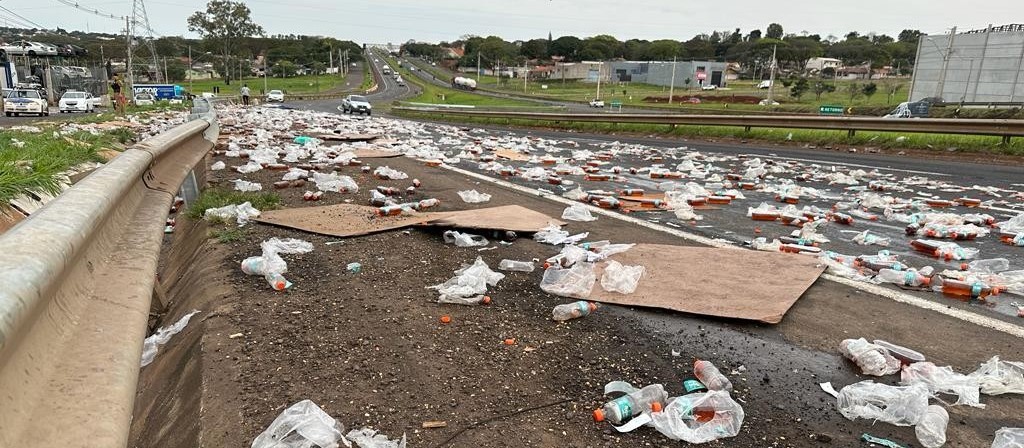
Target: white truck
[
  {"x": 459, "y": 82},
  {"x": 386, "y": 70}
]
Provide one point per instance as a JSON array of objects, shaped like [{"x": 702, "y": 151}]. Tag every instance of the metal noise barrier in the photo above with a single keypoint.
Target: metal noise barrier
[
  {"x": 1001, "y": 128},
  {"x": 78, "y": 277}
]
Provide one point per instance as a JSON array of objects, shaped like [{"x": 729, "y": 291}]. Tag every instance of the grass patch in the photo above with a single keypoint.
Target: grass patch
[
  {"x": 230, "y": 234},
  {"x": 885, "y": 140},
  {"x": 367, "y": 78},
  {"x": 293, "y": 85},
  {"x": 33, "y": 162},
  {"x": 219, "y": 197}
]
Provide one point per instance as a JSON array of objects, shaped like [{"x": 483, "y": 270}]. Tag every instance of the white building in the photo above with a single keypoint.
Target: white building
[{"x": 819, "y": 64}]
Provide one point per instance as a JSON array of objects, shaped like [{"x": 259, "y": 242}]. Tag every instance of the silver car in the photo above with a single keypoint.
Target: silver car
[{"x": 29, "y": 48}]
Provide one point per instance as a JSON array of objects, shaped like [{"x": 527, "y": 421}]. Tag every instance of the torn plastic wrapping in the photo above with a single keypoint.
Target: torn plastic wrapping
[
  {"x": 997, "y": 377},
  {"x": 578, "y": 212},
  {"x": 1009, "y": 438},
  {"x": 469, "y": 280},
  {"x": 866, "y": 238},
  {"x": 370, "y": 438},
  {"x": 943, "y": 380},
  {"x": 679, "y": 420},
  {"x": 474, "y": 197},
  {"x": 554, "y": 235},
  {"x": 249, "y": 168},
  {"x": 302, "y": 425},
  {"x": 901, "y": 406},
  {"x": 218, "y": 165},
  {"x": 621, "y": 279},
  {"x": 464, "y": 239},
  {"x": 332, "y": 182},
  {"x": 872, "y": 359},
  {"x": 575, "y": 282},
  {"x": 152, "y": 343},
  {"x": 241, "y": 213},
  {"x": 270, "y": 264},
  {"x": 244, "y": 185},
  {"x": 295, "y": 174},
  {"x": 385, "y": 172}
]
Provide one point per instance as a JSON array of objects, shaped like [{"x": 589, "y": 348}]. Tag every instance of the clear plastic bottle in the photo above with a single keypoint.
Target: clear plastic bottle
[
  {"x": 975, "y": 290},
  {"x": 573, "y": 310},
  {"x": 277, "y": 281},
  {"x": 624, "y": 408},
  {"x": 931, "y": 430},
  {"x": 471, "y": 301},
  {"x": 708, "y": 374},
  {"x": 513, "y": 265},
  {"x": 906, "y": 278}
]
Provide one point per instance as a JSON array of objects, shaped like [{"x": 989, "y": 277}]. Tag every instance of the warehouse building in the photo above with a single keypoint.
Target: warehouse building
[
  {"x": 700, "y": 73},
  {"x": 981, "y": 66}
]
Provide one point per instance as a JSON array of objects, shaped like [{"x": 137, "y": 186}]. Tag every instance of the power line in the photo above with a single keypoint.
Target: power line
[
  {"x": 22, "y": 18},
  {"x": 92, "y": 11}
]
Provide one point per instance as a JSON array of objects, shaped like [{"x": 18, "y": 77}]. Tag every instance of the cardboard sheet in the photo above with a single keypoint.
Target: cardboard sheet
[
  {"x": 375, "y": 154},
  {"x": 346, "y": 220},
  {"x": 347, "y": 137},
  {"x": 511, "y": 155},
  {"x": 732, "y": 283}
]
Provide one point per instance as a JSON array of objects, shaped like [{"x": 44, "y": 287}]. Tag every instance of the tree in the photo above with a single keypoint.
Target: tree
[
  {"x": 800, "y": 51},
  {"x": 175, "y": 70},
  {"x": 828, "y": 72},
  {"x": 566, "y": 46},
  {"x": 869, "y": 90},
  {"x": 854, "y": 89},
  {"x": 754, "y": 36},
  {"x": 687, "y": 81},
  {"x": 663, "y": 50},
  {"x": 222, "y": 24},
  {"x": 285, "y": 67},
  {"x": 820, "y": 88},
  {"x": 799, "y": 88},
  {"x": 534, "y": 49},
  {"x": 892, "y": 90},
  {"x": 909, "y": 36},
  {"x": 774, "y": 31}
]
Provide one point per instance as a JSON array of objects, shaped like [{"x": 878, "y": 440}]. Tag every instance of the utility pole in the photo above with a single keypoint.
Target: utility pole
[
  {"x": 128, "y": 47},
  {"x": 266, "y": 55},
  {"x": 331, "y": 55},
  {"x": 771, "y": 78},
  {"x": 940, "y": 87},
  {"x": 599, "y": 64},
  {"x": 189, "y": 72},
  {"x": 166, "y": 79},
  {"x": 672, "y": 82},
  {"x": 478, "y": 67},
  {"x": 526, "y": 75}
]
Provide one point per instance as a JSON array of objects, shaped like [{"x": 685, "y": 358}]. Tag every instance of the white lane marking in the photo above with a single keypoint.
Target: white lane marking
[
  {"x": 977, "y": 319},
  {"x": 825, "y": 162}
]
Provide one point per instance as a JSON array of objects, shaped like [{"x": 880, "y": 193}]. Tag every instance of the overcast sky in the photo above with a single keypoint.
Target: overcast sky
[{"x": 444, "y": 20}]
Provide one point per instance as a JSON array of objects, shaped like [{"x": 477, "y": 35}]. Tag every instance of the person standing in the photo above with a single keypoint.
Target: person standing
[
  {"x": 118, "y": 97},
  {"x": 245, "y": 94}
]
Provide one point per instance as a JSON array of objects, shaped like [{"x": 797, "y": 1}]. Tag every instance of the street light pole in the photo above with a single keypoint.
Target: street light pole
[
  {"x": 266, "y": 55},
  {"x": 940, "y": 87},
  {"x": 672, "y": 82},
  {"x": 190, "y": 70},
  {"x": 771, "y": 78},
  {"x": 599, "y": 80}
]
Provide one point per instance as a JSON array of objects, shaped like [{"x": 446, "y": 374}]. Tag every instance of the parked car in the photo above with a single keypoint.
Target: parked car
[
  {"x": 400, "y": 81},
  {"x": 69, "y": 50},
  {"x": 25, "y": 101},
  {"x": 275, "y": 96},
  {"x": 596, "y": 103},
  {"x": 765, "y": 84},
  {"x": 72, "y": 101},
  {"x": 356, "y": 104},
  {"x": 144, "y": 99},
  {"x": 709, "y": 87},
  {"x": 29, "y": 48},
  {"x": 82, "y": 71}
]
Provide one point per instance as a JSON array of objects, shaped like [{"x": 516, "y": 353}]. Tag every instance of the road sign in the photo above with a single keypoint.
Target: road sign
[
  {"x": 831, "y": 110},
  {"x": 702, "y": 76}
]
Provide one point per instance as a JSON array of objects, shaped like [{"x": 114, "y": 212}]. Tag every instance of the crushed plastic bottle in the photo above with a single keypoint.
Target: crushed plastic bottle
[
  {"x": 931, "y": 430},
  {"x": 905, "y": 278},
  {"x": 464, "y": 239},
  {"x": 872, "y": 359},
  {"x": 713, "y": 378},
  {"x": 621, "y": 279},
  {"x": 576, "y": 282},
  {"x": 471, "y": 301},
  {"x": 700, "y": 417},
  {"x": 621, "y": 410},
  {"x": 518, "y": 266},
  {"x": 575, "y": 310}
]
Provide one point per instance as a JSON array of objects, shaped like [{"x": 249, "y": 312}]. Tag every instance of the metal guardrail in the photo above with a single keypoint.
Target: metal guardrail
[
  {"x": 1001, "y": 128},
  {"x": 78, "y": 277}
]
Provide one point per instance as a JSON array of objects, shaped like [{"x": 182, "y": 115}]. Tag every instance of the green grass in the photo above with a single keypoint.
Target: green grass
[
  {"x": 36, "y": 166},
  {"x": 862, "y": 139},
  {"x": 293, "y": 85},
  {"x": 229, "y": 234},
  {"x": 367, "y": 78},
  {"x": 435, "y": 94},
  {"x": 219, "y": 197}
]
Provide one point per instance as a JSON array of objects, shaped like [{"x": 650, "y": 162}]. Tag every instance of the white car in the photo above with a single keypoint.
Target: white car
[
  {"x": 709, "y": 87},
  {"x": 28, "y": 48},
  {"x": 76, "y": 102},
  {"x": 275, "y": 96},
  {"x": 596, "y": 103},
  {"x": 765, "y": 84},
  {"x": 353, "y": 104},
  {"x": 25, "y": 101},
  {"x": 144, "y": 99}
]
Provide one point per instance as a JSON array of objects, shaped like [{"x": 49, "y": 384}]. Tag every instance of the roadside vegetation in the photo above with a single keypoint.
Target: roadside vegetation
[
  {"x": 434, "y": 94},
  {"x": 862, "y": 139},
  {"x": 220, "y": 197},
  {"x": 292, "y": 85}
]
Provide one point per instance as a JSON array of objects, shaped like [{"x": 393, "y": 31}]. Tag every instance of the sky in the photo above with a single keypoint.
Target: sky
[{"x": 397, "y": 21}]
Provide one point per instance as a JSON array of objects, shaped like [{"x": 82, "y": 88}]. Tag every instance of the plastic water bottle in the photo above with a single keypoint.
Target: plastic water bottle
[
  {"x": 518, "y": 266},
  {"x": 277, "y": 281},
  {"x": 470, "y": 301},
  {"x": 931, "y": 430},
  {"x": 975, "y": 290},
  {"x": 573, "y": 310},
  {"x": 427, "y": 203},
  {"x": 624, "y": 408},
  {"x": 708, "y": 374},
  {"x": 906, "y": 278}
]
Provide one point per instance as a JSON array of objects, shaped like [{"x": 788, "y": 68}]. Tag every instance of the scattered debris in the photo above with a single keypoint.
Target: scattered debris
[{"x": 152, "y": 344}]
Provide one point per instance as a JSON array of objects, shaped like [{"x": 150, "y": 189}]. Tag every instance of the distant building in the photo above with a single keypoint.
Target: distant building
[
  {"x": 819, "y": 64},
  {"x": 580, "y": 71},
  {"x": 981, "y": 66},
  {"x": 659, "y": 73}
]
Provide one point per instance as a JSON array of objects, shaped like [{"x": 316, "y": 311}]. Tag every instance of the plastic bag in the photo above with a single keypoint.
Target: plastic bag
[
  {"x": 569, "y": 256},
  {"x": 578, "y": 212},
  {"x": 270, "y": 265},
  {"x": 244, "y": 185},
  {"x": 901, "y": 406},
  {"x": 679, "y": 419},
  {"x": 866, "y": 238},
  {"x": 469, "y": 280},
  {"x": 302, "y": 425},
  {"x": 931, "y": 430},
  {"x": 872, "y": 359},
  {"x": 295, "y": 174},
  {"x": 518, "y": 266},
  {"x": 384, "y": 172},
  {"x": 335, "y": 183},
  {"x": 218, "y": 165},
  {"x": 474, "y": 197},
  {"x": 554, "y": 235},
  {"x": 152, "y": 344},
  {"x": 621, "y": 279},
  {"x": 685, "y": 212},
  {"x": 248, "y": 168},
  {"x": 1009, "y": 438},
  {"x": 576, "y": 282},
  {"x": 464, "y": 239},
  {"x": 241, "y": 213},
  {"x": 945, "y": 380},
  {"x": 997, "y": 377},
  {"x": 369, "y": 438}
]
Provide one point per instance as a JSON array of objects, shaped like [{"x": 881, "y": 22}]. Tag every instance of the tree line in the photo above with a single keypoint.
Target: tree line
[{"x": 753, "y": 50}]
